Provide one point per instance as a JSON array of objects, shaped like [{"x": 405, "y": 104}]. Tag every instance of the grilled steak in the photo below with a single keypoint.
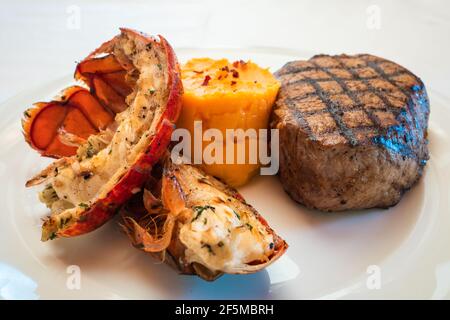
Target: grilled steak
[{"x": 353, "y": 131}]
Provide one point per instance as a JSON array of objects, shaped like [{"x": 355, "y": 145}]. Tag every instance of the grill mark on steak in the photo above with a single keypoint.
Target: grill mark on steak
[
  {"x": 409, "y": 106},
  {"x": 301, "y": 120},
  {"x": 335, "y": 112},
  {"x": 353, "y": 96},
  {"x": 334, "y": 109},
  {"x": 387, "y": 78},
  {"x": 353, "y": 131}
]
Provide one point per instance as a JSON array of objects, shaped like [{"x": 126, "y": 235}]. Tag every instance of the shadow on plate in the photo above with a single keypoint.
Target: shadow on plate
[
  {"x": 108, "y": 258},
  {"x": 290, "y": 216}
]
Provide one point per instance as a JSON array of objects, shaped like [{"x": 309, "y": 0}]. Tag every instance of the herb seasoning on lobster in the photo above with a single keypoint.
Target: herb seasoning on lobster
[
  {"x": 113, "y": 158},
  {"x": 201, "y": 226},
  {"x": 111, "y": 143}
]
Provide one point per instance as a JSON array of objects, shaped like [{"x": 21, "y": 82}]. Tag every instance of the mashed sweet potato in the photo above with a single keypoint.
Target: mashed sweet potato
[{"x": 227, "y": 95}]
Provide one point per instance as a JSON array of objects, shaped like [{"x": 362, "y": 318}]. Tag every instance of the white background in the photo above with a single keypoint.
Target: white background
[{"x": 39, "y": 41}]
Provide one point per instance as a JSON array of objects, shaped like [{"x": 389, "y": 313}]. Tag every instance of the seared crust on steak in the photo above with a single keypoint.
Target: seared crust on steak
[{"x": 353, "y": 131}]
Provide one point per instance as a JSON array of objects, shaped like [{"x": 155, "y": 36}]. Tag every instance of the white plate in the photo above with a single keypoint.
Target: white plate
[{"x": 331, "y": 255}]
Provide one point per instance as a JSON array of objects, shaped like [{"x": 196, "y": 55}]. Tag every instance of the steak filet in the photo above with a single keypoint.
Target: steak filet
[{"x": 353, "y": 131}]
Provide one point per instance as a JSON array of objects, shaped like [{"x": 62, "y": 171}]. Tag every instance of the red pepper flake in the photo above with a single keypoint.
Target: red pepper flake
[
  {"x": 225, "y": 69},
  {"x": 235, "y": 73},
  {"x": 233, "y": 83},
  {"x": 206, "y": 80},
  {"x": 198, "y": 72},
  {"x": 220, "y": 77},
  {"x": 240, "y": 63}
]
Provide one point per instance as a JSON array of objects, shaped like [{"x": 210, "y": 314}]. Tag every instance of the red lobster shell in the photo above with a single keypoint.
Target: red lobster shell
[{"x": 118, "y": 80}]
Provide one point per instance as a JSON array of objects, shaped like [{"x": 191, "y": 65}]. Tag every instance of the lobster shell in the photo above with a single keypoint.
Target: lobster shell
[
  {"x": 102, "y": 209},
  {"x": 183, "y": 188}
]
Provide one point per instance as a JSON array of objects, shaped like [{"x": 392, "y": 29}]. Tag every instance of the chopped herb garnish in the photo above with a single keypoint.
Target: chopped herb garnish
[
  {"x": 237, "y": 215},
  {"x": 159, "y": 66},
  {"x": 90, "y": 151},
  {"x": 199, "y": 210},
  {"x": 151, "y": 91},
  {"x": 205, "y": 221},
  {"x": 249, "y": 226},
  {"x": 220, "y": 244},
  {"x": 208, "y": 247},
  {"x": 52, "y": 236},
  {"x": 26, "y": 114},
  {"x": 83, "y": 205},
  {"x": 64, "y": 221},
  {"x": 271, "y": 245}
]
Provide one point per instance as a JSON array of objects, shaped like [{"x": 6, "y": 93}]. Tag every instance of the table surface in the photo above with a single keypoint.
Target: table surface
[{"x": 41, "y": 40}]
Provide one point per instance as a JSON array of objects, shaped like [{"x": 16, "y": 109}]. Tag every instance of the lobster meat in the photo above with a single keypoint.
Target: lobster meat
[
  {"x": 200, "y": 226},
  {"x": 108, "y": 138}
]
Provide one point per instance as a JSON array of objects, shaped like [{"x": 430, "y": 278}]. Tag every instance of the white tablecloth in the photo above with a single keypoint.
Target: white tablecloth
[{"x": 41, "y": 40}]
